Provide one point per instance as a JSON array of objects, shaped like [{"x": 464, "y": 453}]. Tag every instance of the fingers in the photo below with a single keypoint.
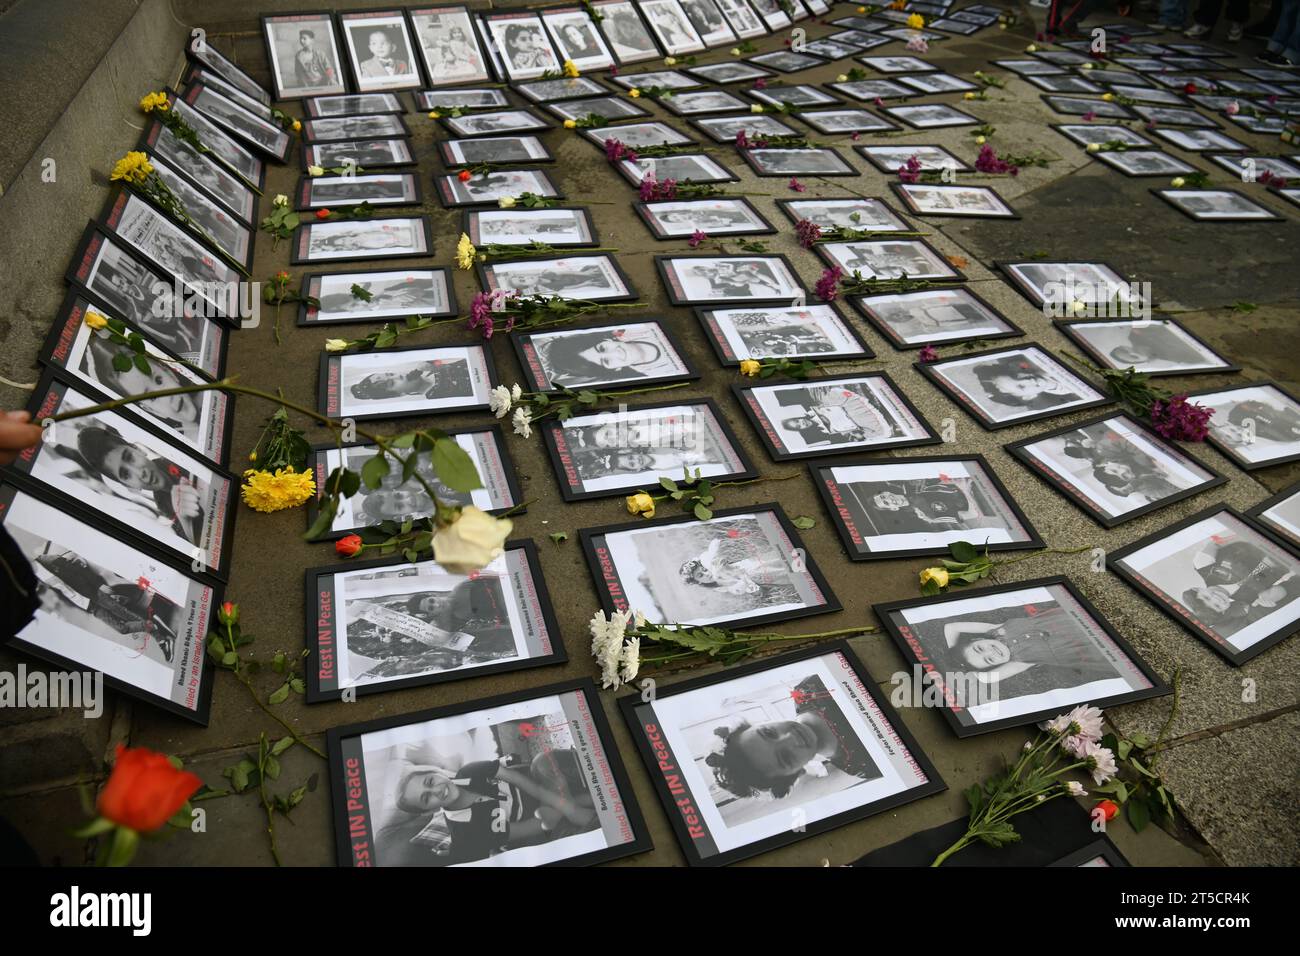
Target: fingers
[{"x": 16, "y": 433}]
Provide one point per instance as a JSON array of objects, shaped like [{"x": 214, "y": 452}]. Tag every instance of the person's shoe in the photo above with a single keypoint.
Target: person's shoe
[
  {"x": 1235, "y": 31},
  {"x": 1196, "y": 30},
  {"x": 1273, "y": 59}
]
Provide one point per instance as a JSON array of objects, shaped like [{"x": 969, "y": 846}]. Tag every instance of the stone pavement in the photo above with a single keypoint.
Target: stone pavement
[{"x": 1231, "y": 759}]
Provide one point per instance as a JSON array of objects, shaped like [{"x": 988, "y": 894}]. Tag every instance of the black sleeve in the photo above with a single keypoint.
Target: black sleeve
[{"x": 18, "y": 597}]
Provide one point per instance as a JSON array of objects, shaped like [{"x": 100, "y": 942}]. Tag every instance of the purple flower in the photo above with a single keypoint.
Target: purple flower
[
  {"x": 828, "y": 286},
  {"x": 615, "y": 150},
  {"x": 796, "y": 186},
  {"x": 480, "y": 314},
  {"x": 877, "y": 102},
  {"x": 910, "y": 172},
  {"x": 1089, "y": 116},
  {"x": 927, "y": 354},
  {"x": 760, "y": 84},
  {"x": 987, "y": 162},
  {"x": 697, "y": 237},
  {"x": 647, "y": 187},
  {"x": 855, "y": 137},
  {"x": 1179, "y": 420},
  {"x": 667, "y": 189},
  {"x": 1270, "y": 179},
  {"x": 808, "y": 232},
  {"x": 742, "y": 140}
]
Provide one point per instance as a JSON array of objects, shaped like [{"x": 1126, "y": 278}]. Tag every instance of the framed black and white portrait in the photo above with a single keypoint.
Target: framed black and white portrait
[
  {"x": 833, "y": 416},
  {"x": 722, "y": 216},
  {"x": 222, "y": 145},
  {"x": 897, "y": 64},
  {"x": 494, "y": 149},
  {"x": 1064, "y": 84},
  {"x": 1087, "y": 106},
  {"x": 1281, "y": 514},
  {"x": 1201, "y": 140},
  {"x": 681, "y": 167},
  {"x": 448, "y": 46},
  {"x": 865, "y": 214},
  {"x": 1173, "y": 116},
  {"x": 868, "y": 91},
  {"x": 380, "y": 53},
  {"x": 1011, "y": 655},
  {"x": 462, "y": 99},
  {"x": 1010, "y": 386},
  {"x": 606, "y": 453},
  {"x": 520, "y": 36},
  {"x": 724, "y": 73},
  {"x": 911, "y": 507},
  {"x": 208, "y": 219},
  {"x": 889, "y": 159},
  {"x": 596, "y": 277},
  {"x": 721, "y": 280},
  {"x": 1085, "y": 134},
  {"x": 787, "y": 61},
  {"x": 703, "y": 102},
  {"x": 1057, "y": 285},
  {"x": 674, "y": 30},
  {"x": 560, "y": 88},
  {"x": 360, "y": 153},
  {"x": 206, "y": 173},
  {"x": 376, "y": 295},
  {"x": 625, "y": 32},
  {"x": 816, "y": 332},
  {"x": 1216, "y": 205},
  {"x": 525, "y": 779},
  {"x": 355, "y": 104},
  {"x": 638, "y": 135},
  {"x": 489, "y": 188},
  {"x": 338, "y": 128},
  {"x": 1150, "y": 346},
  {"x": 348, "y": 240},
  {"x": 557, "y": 227},
  {"x": 416, "y": 380},
  {"x": 576, "y": 38},
  {"x": 743, "y": 19},
  {"x": 889, "y": 259},
  {"x": 913, "y": 320},
  {"x": 1145, "y": 162},
  {"x": 1114, "y": 468},
  {"x": 200, "y": 51},
  {"x": 495, "y": 123},
  {"x": 818, "y": 161},
  {"x": 606, "y": 108},
  {"x": 1256, "y": 425},
  {"x": 376, "y": 626},
  {"x": 374, "y": 189},
  {"x": 725, "y": 129},
  {"x": 805, "y": 736},
  {"x": 239, "y": 121},
  {"x": 835, "y": 122},
  {"x": 615, "y": 353},
  {"x": 798, "y": 95},
  {"x": 709, "y": 22},
  {"x": 1231, "y": 584},
  {"x": 741, "y": 568},
  {"x": 304, "y": 55},
  {"x": 930, "y": 115},
  {"x": 927, "y": 83},
  {"x": 972, "y": 202}
]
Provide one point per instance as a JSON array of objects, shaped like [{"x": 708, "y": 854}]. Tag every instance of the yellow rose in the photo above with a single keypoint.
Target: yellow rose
[
  {"x": 670, "y": 61},
  {"x": 315, "y": 170},
  {"x": 1031, "y": 49},
  {"x": 1178, "y": 182},
  {"x": 750, "y": 367},
  {"x": 1108, "y": 97},
  {"x": 434, "y": 114},
  {"x": 980, "y": 140},
  {"x": 297, "y": 126},
  {"x": 465, "y": 252},
  {"x": 506, "y": 202},
  {"x": 634, "y": 93},
  {"x": 570, "y": 124},
  {"x": 916, "y": 21},
  {"x": 938, "y": 575},
  {"x": 470, "y": 542},
  {"x": 336, "y": 345},
  {"x": 96, "y": 321},
  {"x": 641, "y": 504},
  {"x": 968, "y": 96},
  {"x": 1094, "y": 147}
]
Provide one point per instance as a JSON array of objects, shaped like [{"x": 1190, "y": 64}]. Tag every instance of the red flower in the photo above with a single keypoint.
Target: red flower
[
  {"x": 1107, "y": 808},
  {"x": 1189, "y": 87},
  {"x": 347, "y": 547},
  {"x": 144, "y": 790},
  {"x": 228, "y": 613},
  {"x": 464, "y": 175},
  {"x": 323, "y": 213}
]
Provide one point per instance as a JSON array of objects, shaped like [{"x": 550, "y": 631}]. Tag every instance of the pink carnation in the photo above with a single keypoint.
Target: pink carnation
[
  {"x": 808, "y": 232},
  {"x": 1180, "y": 420},
  {"x": 828, "y": 286}
]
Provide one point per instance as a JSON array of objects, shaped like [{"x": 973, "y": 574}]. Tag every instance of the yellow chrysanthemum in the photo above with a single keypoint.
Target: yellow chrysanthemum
[
  {"x": 154, "y": 101},
  {"x": 263, "y": 491},
  {"x": 134, "y": 167},
  {"x": 916, "y": 21},
  {"x": 570, "y": 69},
  {"x": 465, "y": 252}
]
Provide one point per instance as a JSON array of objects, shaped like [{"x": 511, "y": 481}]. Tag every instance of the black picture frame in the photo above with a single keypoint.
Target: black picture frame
[
  {"x": 814, "y": 119},
  {"x": 1030, "y": 292},
  {"x": 788, "y": 206},
  {"x": 251, "y": 168},
  {"x": 567, "y": 109},
  {"x": 352, "y": 57},
  {"x": 343, "y": 799},
  {"x": 678, "y": 806},
  {"x": 570, "y": 483},
  {"x": 677, "y": 296},
  {"x": 304, "y": 16},
  {"x": 199, "y": 659},
  {"x": 316, "y": 154},
  {"x": 703, "y": 125},
  {"x": 1168, "y": 196},
  {"x": 603, "y": 576},
  {"x": 533, "y": 372},
  {"x": 885, "y": 615},
  {"x": 673, "y": 103},
  {"x": 646, "y": 212},
  {"x": 243, "y": 206},
  {"x": 434, "y": 76},
  {"x": 331, "y": 360},
  {"x": 954, "y": 275},
  {"x": 1129, "y": 136},
  {"x": 674, "y": 137},
  {"x": 1237, "y": 459},
  {"x": 313, "y": 283},
  {"x": 199, "y": 51},
  {"x": 300, "y": 253},
  {"x": 1259, "y": 514},
  {"x": 1069, "y": 328},
  {"x": 862, "y": 305},
  {"x": 751, "y": 157},
  {"x": 624, "y": 168},
  {"x": 905, "y": 197},
  {"x": 1175, "y": 610},
  {"x": 318, "y": 463},
  {"x": 727, "y": 357},
  {"x": 579, "y": 87},
  {"x": 392, "y": 104},
  {"x": 190, "y": 95},
  {"x": 312, "y": 129},
  {"x": 455, "y": 125},
  {"x": 778, "y": 452},
  {"x": 1100, "y": 849},
  {"x": 818, "y": 471},
  {"x": 469, "y": 224},
  {"x": 487, "y": 272},
  {"x": 448, "y": 184},
  {"x": 1068, "y": 490},
  {"x": 412, "y": 194},
  {"x": 449, "y": 159},
  {"x": 901, "y": 113},
  {"x": 785, "y": 61},
  {"x": 1120, "y": 161},
  {"x": 624, "y": 59},
  {"x": 322, "y": 629},
  {"x": 521, "y": 14}
]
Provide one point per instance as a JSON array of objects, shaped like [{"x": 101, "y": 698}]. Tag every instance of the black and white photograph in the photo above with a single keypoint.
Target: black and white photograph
[
  {"x": 1281, "y": 514},
  {"x": 626, "y": 34},
  {"x": 913, "y": 320},
  {"x": 639, "y": 135},
  {"x": 744, "y": 21},
  {"x": 1173, "y": 116},
  {"x": 418, "y": 380},
  {"x": 526, "y": 779},
  {"x": 385, "y": 625},
  {"x": 1144, "y": 162},
  {"x": 608, "y": 108},
  {"x": 494, "y": 149},
  {"x": 1114, "y": 468},
  {"x": 337, "y": 128},
  {"x": 379, "y": 49},
  {"x": 787, "y": 61},
  {"x": 671, "y": 26},
  {"x": 889, "y": 259},
  {"x": 209, "y": 220},
  {"x": 889, "y": 159},
  {"x": 561, "y": 88},
  {"x": 199, "y": 74},
  {"x": 703, "y": 102},
  {"x": 1065, "y": 84},
  {"x": 830, "y": 49},
  {"x": 772, "y": 12},
  {"x": 487, "y": 98},
  {"x": 1085, "y": 134},
  {"x": 135, "y": 481},
  {"x": 595, "y": 277},
  {"x": 396, "y": 500},
  {"x": 125, "y": 287},
  {"x": 448, "y": 45},
  {"x": 919, "y": 506},
  {"x": 818, "y": 161},
  {"x": 1084, "y": 106},
  {"x": 359, "y": 154},
  {"x": 520, "y": 227},
  {"x": 376, "y": 296},
  {"x": 868, "y": 91},
  {"x": 205, "y": 53},
  {"x": 615, "y": 353},
  {"x": 682, "y": 168},
  {"x": 741, "y": 568},
  {"x": 725, "y": 73},
  {"x": 1259, "y": 165},
  {"x": 1010, "y": 386},
  {"x": 725, "y": 129},
  {"x": 240, "y": 122},
  {"x": 1015, "y": 654},
  {"x": 897, "y": 64},
  {"x": 617, "y": 452},
  {"x": 113, "y": 607},
  {"x": 1150, "y": 346},
  {"x": 938, "y": 83},
  {"x": 495, "y": 123},
  {"x": 834, "y": 122},
  {"x": 1255, "y": 425},
  {"x": 806, "y": 736},
  {"x": 709, "y": 21},
  {"x": 198, "y": 420},
  {"x": 931, "y": 199},
  {"x": 1030, "y": 67},
  {"x": 355, "y": 104},
  {"x": 1056, "y": 285},
  {"x": 816, "y": 332},
  {"x": 489, "y": 188},
  {"x": 304, "y": 55},
  {"x": 1229, "y": 583},
  {"x": 521, "y": 39},
  {"x": 800, "y": 95},
  {"x": 203, "y": 171},
  {"x": 250, "y": 168},
  {"x": 576, "y": 38},
  {"x": 721, "y": 216},
  {"x": 866, "y": 214},
  {"x": 833, "y": 416},
  {"x": 1201, "y": 140},
  {"x": 1216, "y": 205},
  {"x": 350, "y": 239},
  {"x": 375, "y": 189},
  {"x": 726, "y": 279}
]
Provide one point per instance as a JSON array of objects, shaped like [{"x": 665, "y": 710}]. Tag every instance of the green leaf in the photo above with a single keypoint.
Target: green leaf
[
  {"x": 963, "y": 551},
  {"x": 121, "y": 362},
  {"x": 701, "y": 512},
  {"x": 558, "y": 536},
  {"x": 667, "y": 483},
  {"x": 298, "y": 686},
  {"x": 999, "y": 834},
  {"x": 975, "y": 797},
  {"x": 280, "y": 695},
  {"x": 1125, "y": 748},
  {"x": 229, "y": 659},
  {"x": 141, "y": 363},
  {"x": 281, "y": 745},
  {"x": 374, "y": 471},
  {"x": 216, "y": 646},
  {"x": 272, "y": 767},
  {"x": 1138, "y": 813},
  {"x": 454, "y": 467},
  {"x": 803, "y": 522}
]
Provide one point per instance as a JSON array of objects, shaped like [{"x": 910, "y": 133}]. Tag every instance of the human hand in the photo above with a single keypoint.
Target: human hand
[{"x": 16, "y": 434}]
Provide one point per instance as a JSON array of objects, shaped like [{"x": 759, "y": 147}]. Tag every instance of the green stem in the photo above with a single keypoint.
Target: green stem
[{"x": 243, "y": 679}]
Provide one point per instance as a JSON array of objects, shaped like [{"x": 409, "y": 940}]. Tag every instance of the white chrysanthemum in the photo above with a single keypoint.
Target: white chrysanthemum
[
  {"x": 516, "y": 392},
  {"x": 1085, "y": 721},
  {"x": 522, "y": 422},
  {"x": 1100, "y": 761},
  {"x": 629, "y": 662},
  {"x": 500, "y": 401},
  {"x": 1075, "y": 789},
  {"x": 609, "y": 661}
]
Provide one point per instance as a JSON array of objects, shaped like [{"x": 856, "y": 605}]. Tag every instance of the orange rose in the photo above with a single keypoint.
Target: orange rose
[
  {"x": 144, "y": 790},
  {"x": 1108, "y": 809},
  {"x": 348, "y": 546}
]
